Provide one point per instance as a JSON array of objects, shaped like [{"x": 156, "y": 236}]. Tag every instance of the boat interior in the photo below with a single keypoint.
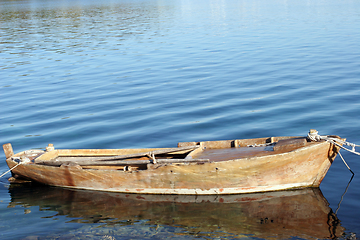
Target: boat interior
[{"x": 142, "y": 159}]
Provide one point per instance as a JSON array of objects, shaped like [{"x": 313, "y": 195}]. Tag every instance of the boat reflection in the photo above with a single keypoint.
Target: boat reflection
[{"x": 299, "y": 213}]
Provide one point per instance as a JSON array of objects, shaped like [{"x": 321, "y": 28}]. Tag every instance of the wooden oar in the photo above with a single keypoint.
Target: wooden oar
[
  {"x": 84, "y": 159},
  {"x": 151, "y": 153},
  {"x": 122, "y": 163}
]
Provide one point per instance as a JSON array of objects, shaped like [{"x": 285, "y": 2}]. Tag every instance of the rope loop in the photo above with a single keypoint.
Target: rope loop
[{"x": 313, "y": 135}]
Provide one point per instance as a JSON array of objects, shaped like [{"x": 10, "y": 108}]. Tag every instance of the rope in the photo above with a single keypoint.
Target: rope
[
  {"x": 152, "y": 156},
  {"x": 345, "y": 163},
  {"x": 10, "y": 169},
  {"x": 314, "y": 136}
]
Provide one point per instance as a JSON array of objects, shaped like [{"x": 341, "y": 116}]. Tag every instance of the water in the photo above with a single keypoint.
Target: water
[{"x": 145, "y": 73}]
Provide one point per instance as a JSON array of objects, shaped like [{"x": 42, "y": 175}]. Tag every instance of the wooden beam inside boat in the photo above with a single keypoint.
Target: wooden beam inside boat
[
  {"x": 53, "y": 155},
  {"x": 234, "y": 143},
  {"x": 288, "y": 144},
  {"x": 84, "y": 162}
]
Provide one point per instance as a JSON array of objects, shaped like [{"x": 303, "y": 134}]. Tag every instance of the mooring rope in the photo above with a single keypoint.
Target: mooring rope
[
  {"x": 10, "y": 169},
  {"x": 345, "y": 163},
  {"x": 313, "y": 135}
]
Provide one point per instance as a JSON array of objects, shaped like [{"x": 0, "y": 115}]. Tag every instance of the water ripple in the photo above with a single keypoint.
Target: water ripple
[{"x": 123, "y": 74}]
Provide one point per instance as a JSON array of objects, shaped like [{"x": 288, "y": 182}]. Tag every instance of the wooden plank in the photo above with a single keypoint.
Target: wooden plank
[
  {"x": 218, "y": 144},
  {"x": 119, "y": 163},
  {"x": 8, "y": 150},
  {"x": 52, "y": 155},
  {"x": 103, "y": 152},
  {"x": 123, "y": 168},
  {"x": 93, "y": 159},
  {"x": 186, "y": 144},
  {"x": 290, "y": 144},
  {"x": 134, "y": 155}
]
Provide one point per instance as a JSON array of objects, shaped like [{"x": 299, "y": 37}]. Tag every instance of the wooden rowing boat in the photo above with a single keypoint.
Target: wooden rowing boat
[{"x": 199, "y": 168}]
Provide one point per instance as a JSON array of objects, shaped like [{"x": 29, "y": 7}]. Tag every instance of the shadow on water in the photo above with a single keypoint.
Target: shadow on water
[{"x": 286, "y": 214}]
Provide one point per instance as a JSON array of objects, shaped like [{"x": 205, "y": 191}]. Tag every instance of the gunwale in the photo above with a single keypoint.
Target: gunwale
[{"x": 301, "y": 167}]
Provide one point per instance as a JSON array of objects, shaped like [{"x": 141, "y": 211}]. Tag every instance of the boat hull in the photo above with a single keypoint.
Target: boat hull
[{"x": 300, "y": 168}]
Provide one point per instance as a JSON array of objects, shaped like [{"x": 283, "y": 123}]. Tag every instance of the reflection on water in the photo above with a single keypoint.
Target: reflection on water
[{"x": 301, "y": 213}]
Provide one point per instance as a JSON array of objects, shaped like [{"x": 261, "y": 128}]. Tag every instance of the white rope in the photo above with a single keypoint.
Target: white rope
[
  {"x": 10, "y": 169},
  {"x": 314, "y": 136},
  {"x": 345, "y": 163},
  {"x": 152, "y": 156}
]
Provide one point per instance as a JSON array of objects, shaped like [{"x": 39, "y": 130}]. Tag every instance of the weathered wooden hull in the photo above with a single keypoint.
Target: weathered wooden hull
[{"x": 305, "y": 166}]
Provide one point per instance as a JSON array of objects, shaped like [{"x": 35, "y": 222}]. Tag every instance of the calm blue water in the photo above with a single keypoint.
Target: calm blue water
[{"x": 146, "y": 73}]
